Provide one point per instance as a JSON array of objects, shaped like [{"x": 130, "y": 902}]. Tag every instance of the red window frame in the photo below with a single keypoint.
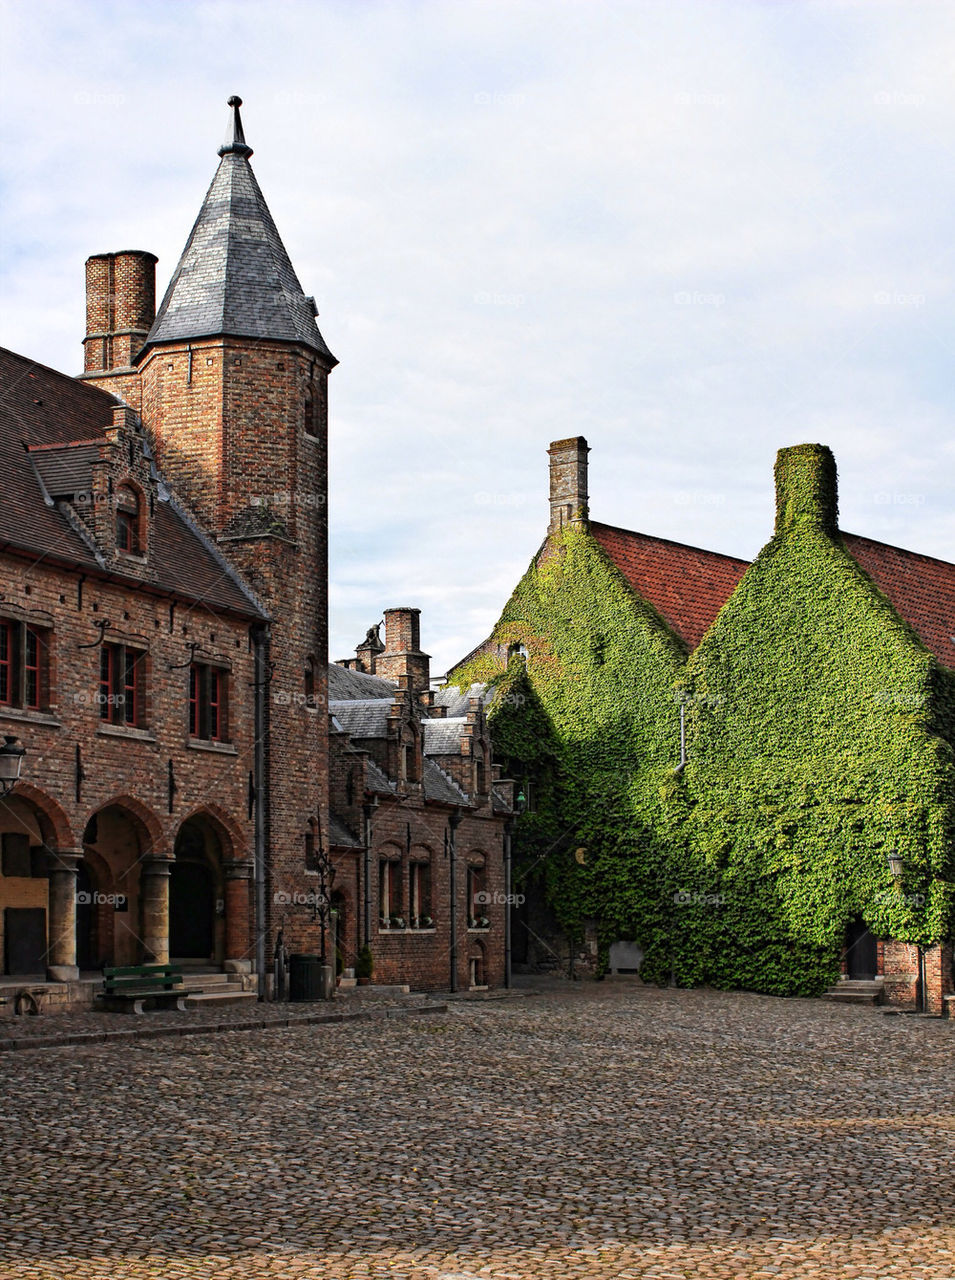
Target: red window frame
[
  {"x": 128, "y": 508},
  {"x": 7, "y": 666},
  {"x": 208, "y": 703},
  {"x": 193, "y": 701},
  {"x": 215, "y": 704},
  {"x": 121, "y": 685},
  {"x": 107, "y": 682},
  {"x": 32, "y": 670}
]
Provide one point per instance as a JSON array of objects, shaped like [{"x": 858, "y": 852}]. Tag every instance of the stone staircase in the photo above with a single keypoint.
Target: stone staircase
[
  {"x": 215, "y": 990},
  {"x": 856, "y": 991}
]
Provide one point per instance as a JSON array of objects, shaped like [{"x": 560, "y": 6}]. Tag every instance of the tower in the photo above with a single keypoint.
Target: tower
[{"x": 232, "y": 386}]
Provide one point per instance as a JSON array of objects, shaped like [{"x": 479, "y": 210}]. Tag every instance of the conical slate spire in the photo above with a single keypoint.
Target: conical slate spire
[
  {"x": 236, "y": 145},
  {"x": 235, "y": 277}
]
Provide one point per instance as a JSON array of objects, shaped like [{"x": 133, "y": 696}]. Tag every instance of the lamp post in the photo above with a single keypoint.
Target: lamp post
[
  {"x": 895, "y": 865},
  {"x": 11, "y": 762},
  {"x": 326, "y": 878},
  {"x": 520, "y": 805}
]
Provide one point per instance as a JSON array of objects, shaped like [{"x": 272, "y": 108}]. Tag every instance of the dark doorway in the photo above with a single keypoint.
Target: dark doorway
[
  {"x": 24, "y": 939},
  {"x": 86, "y": 948},
  {"x": 191, "y": 911},
  {"x": 861, "y": 952}
]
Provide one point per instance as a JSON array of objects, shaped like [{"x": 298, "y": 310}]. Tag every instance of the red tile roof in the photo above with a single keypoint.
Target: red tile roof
[
  {"x": 921, "y": 589},
  {"x": 686, "y": 585}
]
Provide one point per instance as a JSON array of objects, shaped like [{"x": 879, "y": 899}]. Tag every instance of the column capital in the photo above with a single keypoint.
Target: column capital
[
  {"x": 238, "y": 870},
  {"x": 63, "y": 859},
  {"x": 157, "y": 864}
]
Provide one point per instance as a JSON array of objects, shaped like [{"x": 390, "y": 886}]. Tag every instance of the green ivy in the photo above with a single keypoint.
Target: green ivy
[{"x": 820, "y": 738}]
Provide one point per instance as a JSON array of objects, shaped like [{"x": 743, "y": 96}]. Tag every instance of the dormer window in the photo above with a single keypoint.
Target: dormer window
[{"x": 128, "y": 520}]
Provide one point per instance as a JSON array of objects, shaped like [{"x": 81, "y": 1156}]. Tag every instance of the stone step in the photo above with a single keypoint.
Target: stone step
[
  {"x": 856, "y": 991},
  {"x": 219, "y": 997}
]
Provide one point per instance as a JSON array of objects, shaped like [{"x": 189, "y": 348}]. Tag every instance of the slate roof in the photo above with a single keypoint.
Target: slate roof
[
  {"x": 339, "y": 835},
  {"x": 378, "y": 780},
  {"x": 921, "y": 589},
  {"x": 346, "y": 685},
  {"x": 443, "y": 737},
  {"x": 40, "y": 407},
  {"x": 456, "y": 701},
  {"x": 686, "y": 585},
  {"x": 440, "y": 786},
  {"x": 234, "y": 276},
  {"x": 363, "y": 717}
]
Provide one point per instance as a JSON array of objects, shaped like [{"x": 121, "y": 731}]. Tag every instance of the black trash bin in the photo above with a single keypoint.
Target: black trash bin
[{"x": 304, "y": 977}]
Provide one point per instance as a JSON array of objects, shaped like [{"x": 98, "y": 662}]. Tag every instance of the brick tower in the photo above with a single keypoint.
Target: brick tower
[{"x": 232, "y": 381}]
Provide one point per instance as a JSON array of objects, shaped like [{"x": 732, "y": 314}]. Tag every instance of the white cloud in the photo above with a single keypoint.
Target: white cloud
[{"x": 664, "y": 227}]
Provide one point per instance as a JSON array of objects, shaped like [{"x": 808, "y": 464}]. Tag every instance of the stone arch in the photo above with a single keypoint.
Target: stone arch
[
  {"x": 235, "y": 845},
  {"x": 202, "y": 848},
  {"x": 54, "y": 825},
  {"x": 148, "y": 825},
  {"x": 477, "y": 963},
  {"x": 121, "y": 839}
]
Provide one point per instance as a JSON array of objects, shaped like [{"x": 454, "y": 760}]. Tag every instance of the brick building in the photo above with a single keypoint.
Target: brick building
[
  {"x": 419, "y": 817},
  {"x": 163, "y": 638}
]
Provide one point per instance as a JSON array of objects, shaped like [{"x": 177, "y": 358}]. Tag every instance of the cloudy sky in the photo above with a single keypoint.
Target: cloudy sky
[{"x": 692, "y": 232}]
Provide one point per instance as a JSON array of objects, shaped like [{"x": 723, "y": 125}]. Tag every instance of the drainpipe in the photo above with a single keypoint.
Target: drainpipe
[
  {"x": 454, "y": 821},
  {"x": 368, "y": 811},
  {"x": 260, "y": 643},
  {"x": 508, "y": 831}
]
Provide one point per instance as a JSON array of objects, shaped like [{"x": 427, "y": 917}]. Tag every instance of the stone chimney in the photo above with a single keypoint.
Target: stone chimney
[
  {"x": 806, "y": 489},
  {"x": 568, "y": 482},
  {"x": 366, "y": 653},
  {"x": 402, "y": 654},
  {"x": 120, "y": 308}
]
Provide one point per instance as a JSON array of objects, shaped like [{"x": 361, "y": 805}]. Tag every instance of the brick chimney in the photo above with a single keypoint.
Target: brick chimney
[
  {"x": 807, "y": 493},
  {"x": 402, "y": 654},
  {"x": 568, "y": 482},
  {"x": 120, "y": 308}
]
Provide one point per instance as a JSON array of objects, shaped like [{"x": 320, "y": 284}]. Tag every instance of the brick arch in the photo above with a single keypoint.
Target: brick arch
[
  {"x": 148, "y": 826},
  {"x": 54, "y": 825},
  {"x": 235, "y": 846}
]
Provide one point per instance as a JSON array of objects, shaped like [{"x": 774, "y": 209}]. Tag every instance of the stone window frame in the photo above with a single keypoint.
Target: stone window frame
[{"x": 130, "y": 519}]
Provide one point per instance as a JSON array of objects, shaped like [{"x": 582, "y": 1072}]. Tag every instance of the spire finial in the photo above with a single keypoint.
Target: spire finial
[{"x": 235, "y": 145}]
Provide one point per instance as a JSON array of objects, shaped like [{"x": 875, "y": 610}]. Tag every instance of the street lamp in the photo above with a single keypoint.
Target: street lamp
[
  {"x": 11, "y": 762},
  {"x": 895, "y": 865},
  {"x": 326, "y": 876}
]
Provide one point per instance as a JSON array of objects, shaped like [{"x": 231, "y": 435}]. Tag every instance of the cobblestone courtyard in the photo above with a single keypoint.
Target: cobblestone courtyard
[{"x": 596, "y": 1132}]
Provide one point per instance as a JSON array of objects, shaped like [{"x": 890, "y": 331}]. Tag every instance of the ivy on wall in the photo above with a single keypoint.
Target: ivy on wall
[{"x": 820, "y": 738}]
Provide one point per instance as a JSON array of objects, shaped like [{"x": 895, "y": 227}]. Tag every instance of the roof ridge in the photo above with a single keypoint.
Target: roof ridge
[{"x": 672, "y": 542}]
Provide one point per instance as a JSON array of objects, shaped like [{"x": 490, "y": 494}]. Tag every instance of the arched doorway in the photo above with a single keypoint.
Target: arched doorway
[
  {"x": 110, "y": 926},
  {"x": 195, "y": 891}
]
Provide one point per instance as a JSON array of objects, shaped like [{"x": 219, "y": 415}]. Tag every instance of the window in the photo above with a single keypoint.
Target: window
[
  {"x": 310, "y": 700},
  {"x": 24, "y": 665},
  {"x": 122, "y": 685},
  {"x": 419, "y": 895},
  {"x": 389, "y": 894},
  {"x": 478, "y": 897},
  {"x": 208, "y": 702},
  {"x": 128, "y": 520}
]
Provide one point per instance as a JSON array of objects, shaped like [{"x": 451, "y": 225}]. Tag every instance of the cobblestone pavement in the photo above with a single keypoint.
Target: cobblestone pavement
[{"x": 597, "y": 1132}]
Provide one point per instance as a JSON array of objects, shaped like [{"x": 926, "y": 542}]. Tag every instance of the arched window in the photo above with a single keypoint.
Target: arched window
[{"x": 128, "y": 520}]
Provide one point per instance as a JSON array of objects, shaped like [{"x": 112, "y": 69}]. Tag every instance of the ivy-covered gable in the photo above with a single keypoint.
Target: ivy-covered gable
[{"x": 819, "y": 739}]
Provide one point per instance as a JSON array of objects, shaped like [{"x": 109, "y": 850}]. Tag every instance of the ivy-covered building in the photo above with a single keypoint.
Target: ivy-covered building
[{"x": 745, "y": 771}]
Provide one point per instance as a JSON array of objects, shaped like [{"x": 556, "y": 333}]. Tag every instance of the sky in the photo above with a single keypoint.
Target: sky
[{"x": 693, "y": 233}]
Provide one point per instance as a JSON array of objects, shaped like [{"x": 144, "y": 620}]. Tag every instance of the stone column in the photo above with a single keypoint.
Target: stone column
[
  {"x": 154, "y": 895},
  {"x": 238, "y": 944},
  {"x": 61, "y": 954}
]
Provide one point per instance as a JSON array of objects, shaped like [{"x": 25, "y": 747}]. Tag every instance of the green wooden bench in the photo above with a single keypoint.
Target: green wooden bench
[{"x": 127, "y": 990}]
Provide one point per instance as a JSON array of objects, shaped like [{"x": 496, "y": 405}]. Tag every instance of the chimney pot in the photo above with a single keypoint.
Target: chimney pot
[{"x": 568, "y": 482}]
